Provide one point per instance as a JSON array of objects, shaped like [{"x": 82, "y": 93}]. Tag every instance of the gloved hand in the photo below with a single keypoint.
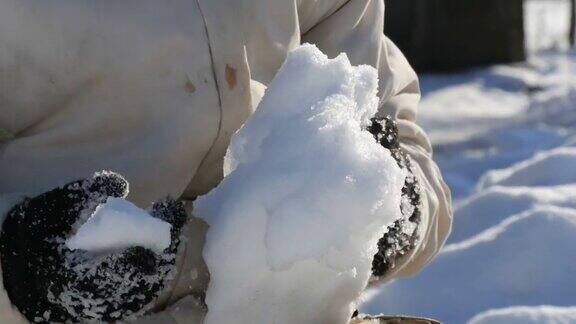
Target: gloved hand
[
  {"x": 48, "y": 282},
  {"x": 402, "y": 235}
]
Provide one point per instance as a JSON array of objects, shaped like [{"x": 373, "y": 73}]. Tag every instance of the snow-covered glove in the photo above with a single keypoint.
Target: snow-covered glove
[
  {"x": 48, "y": 282},
  {"x": 402, "y": 235}
]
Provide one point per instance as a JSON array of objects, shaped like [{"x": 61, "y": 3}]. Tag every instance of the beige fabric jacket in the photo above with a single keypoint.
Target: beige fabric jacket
[{"x": 155, "y": 89}]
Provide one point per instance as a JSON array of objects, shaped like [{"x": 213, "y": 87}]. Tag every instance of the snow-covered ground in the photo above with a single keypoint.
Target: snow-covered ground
[{"x": 505, "y": 139}]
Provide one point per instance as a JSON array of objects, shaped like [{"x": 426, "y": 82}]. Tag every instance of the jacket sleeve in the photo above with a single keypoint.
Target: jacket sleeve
[{"x": 355, "y": 28}]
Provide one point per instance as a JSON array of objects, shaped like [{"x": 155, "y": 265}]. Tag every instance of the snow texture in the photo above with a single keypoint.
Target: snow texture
[
  {"x": 505, "y": 141},
  {"x": 118, "y": 224},
  {"x": 307, "y": 194}
]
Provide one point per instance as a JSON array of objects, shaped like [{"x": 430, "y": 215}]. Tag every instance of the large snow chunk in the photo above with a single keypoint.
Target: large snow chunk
[
  {"x": 119, "y": 224},
  {"x": 294, "y": 225}
]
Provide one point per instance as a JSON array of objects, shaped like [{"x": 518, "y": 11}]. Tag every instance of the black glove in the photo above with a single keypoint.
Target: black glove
[
  {"x": 48, "y": 282},
  {"x": 402, "y": 235}
]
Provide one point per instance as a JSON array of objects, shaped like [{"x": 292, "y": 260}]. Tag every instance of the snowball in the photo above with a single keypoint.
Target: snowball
[
  {"x": 294, "y": 224},
  {"x": 119, "y": 224}
]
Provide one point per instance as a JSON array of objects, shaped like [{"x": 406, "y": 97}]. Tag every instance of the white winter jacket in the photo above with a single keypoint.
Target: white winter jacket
[{"x": 155, "y": 89}]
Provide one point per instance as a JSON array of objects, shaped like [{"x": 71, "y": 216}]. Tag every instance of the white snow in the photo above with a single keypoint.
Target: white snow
[
  {"x": 119, "y": 224},
  {"x": 307, "y": 194},
  {"x": 541, "y": 170},
  {"x": 505, "y": 140}
]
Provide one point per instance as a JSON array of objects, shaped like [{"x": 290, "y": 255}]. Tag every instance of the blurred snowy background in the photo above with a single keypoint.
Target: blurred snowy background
[{"x": 505, "y": 138}]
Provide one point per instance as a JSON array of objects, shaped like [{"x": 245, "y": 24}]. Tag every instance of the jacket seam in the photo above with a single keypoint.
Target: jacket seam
[
  {"x": 327, "y": 16},
  {"x": 215, "y": 76}
]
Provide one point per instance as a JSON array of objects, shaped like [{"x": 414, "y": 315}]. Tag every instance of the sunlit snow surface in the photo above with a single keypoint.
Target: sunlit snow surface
[
  {"x": 308, "y": 192},
  {"x": 505, "y": 139},
  {"x": 527, "y": 315}
]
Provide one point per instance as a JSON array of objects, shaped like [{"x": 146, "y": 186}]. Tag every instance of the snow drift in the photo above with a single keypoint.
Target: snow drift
[
  {"x": 527, "y": 315},
  {"x": 307, "y": 194},
  {"x": 526, "y": 259}
]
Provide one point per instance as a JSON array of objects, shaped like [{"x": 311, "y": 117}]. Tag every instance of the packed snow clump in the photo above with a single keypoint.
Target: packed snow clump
[
  {"x": 307, "y": 194},
  {"x": 119, "y": 224}
]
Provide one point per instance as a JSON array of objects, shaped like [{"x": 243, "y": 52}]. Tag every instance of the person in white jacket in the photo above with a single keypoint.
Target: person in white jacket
[{"x": 153, "y": 90}]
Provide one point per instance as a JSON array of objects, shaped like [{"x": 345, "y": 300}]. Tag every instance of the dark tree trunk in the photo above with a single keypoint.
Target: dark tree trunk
[
  {"x": 451, "y": 34},
  {"x": 572, "y": 22}
]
